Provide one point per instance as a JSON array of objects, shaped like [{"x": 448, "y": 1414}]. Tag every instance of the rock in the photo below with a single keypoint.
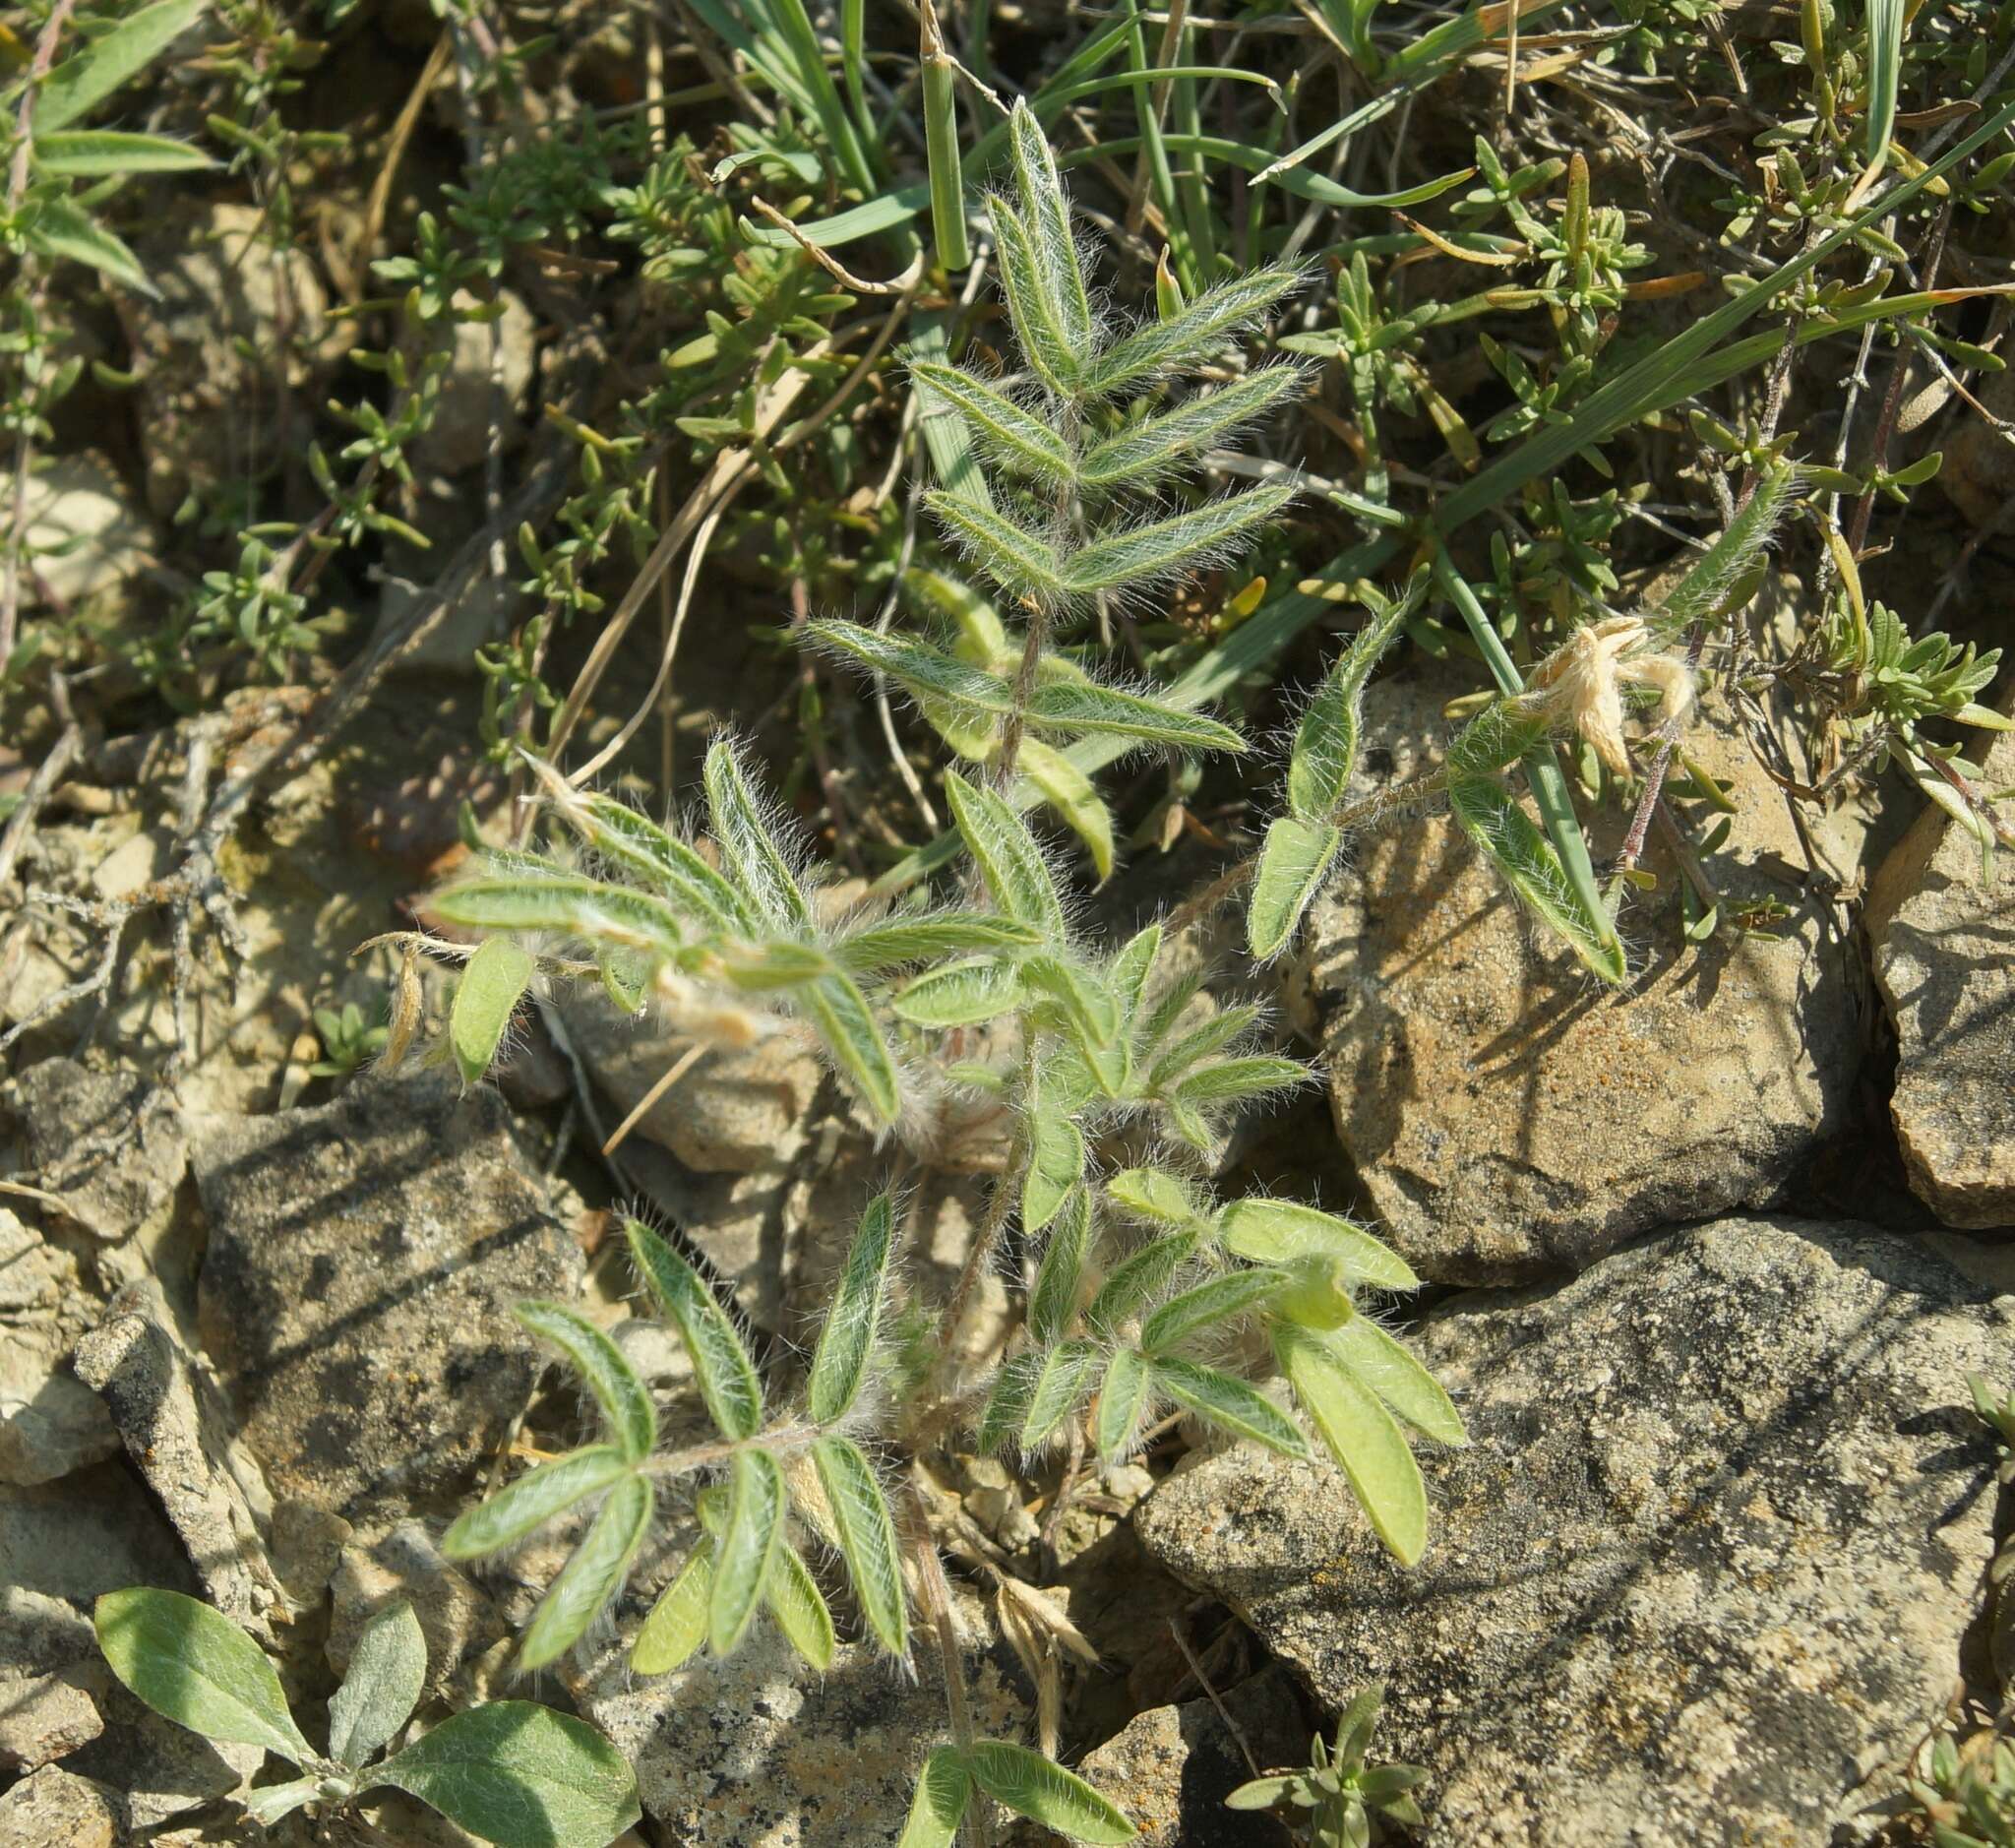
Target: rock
[
  {"x": 363, "y": 1261},
  {"x": 87, "y": 538},
  {"x": 158, "y": 1768},
  {"x": 1978, "y": 475},
  {"x": 51, "y": 1421},
  {"x": 54, "y": 1806},
  {"x": 1171, "y": 1767},
  {"x": 69, "y": 1129},
  {"x": 1940, "y": 932},
  {"x": 221, "y": 285},
  {"x": 174, "y": 1428},
  {"x": 758, "y": 1751},
  {"x": 1506, "y": 1119},
  {"x": 1705, "y": 1567},
  {"x": 49, "y": 1671},
  {"x": 307, "y": 1547},
  {"x": 481, "y": 391},
  {"x": 96, "y": 1530},
  {"x": 402, "y": 1561}
]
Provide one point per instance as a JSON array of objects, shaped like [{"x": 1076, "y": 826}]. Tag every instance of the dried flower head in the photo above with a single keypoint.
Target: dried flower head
[{"x": 1581, "y": 683}]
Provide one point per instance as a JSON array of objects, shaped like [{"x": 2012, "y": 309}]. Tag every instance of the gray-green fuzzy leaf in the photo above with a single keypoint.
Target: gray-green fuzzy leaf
[
  {"x": 1398, "y": 1378},
  {"x": 1059, "y": 1389},
  {"x": 197, "y": 1668},
  {"x": 846, "y": 1342},
  {"x": 867, "y": 1538},
  {"x": 1228, "y": 1403},
  {"x": 92, "y": 152},
  {"x": 1010, "y": 434},
  {"x": 720, "y": 1363},
  {"x": 81, "y": 82},
  {"x": 853, "y": 1036},
  {"x": 571, "y": 906},
  {"x": 1012, "y": 864},
  {"x": 1031, "y": 1785},
  {"x": 1198, "y": 333},
  {"x": 1053, "y": 1298},
  {"x": 1044, "y": 343},
  {"x": 522, "y": 1776},
  {"x": 1056, "y": 1162},
  {"x": 388, "y": 1671},
  {"x": 1144, "y": 452},
  {"x": 1279, "y": 1231},
  {"x": 1123, "y": 1398},
  {"x": 794, "y": 1599},
  {"x": 1326, "y": 752},
  {"x": 1136, "y": 556},
  {"x": 1359, "y": 1433},
  {"x": 1207, "y": 1306},
  {"x": 748, "y": 1546},
  {"x": 1139, "y": 1280},
  {"x": 756, "y": 863},
  {"x": 1046, "y": 211},
  {"x": 1021, "y": 561},
  {"x": 655, "y": 854},
  {"x": 966, "y": 993},
  {"x": 591, "y": 1576},
  {"x": 1293, "y": 864},
  {"x": 533, "y": 1499},
  {"x": 677, "y": 1623},
  {"x": 624, "y": 1399},
  {"x": 879, "y": 947},
  {"x": 937, "y": 1810}
]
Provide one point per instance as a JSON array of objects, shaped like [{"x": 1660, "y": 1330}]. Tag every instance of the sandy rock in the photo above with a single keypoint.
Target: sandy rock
[
  {"x": 88, "y": 539},
  {"x": 481, "y": 391},
  {"x": 1702, "y": 1574},
  {"x": 363, "y": 1261},
  {"x": 55, "y": 1807},
  {"x": 50, "y": 1671},
  {"x": 1942, "y": 941},
  {"x": 50, "y": 1422},
  {"x": 96, "y": 1530},
  {"x": 758, "y": 1751},
  {"x": 121, "y": 1189},
  {"x": 174, "y": 1425},
  {"x": 1171, "y": 1767},
  {"x": 1507, "y": 1119},
  {"x": 1978, "y": 475},
  {"x": 404, "y": 1562},
  {"x": 159, "y": 1770}
]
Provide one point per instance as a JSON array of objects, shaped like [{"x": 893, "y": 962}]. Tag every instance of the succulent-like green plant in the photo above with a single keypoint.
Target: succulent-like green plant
[
  {"x": 509, "y": 1771},
  {"x": 1334, "y": 1802}
]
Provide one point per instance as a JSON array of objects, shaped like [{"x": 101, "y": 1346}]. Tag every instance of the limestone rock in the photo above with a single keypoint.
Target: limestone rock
[
  {"x": 50, "y": 1422},
  {"x": 175, "y": 1429},
  {"x": 54, "y": 1806},
  {"x": 1942, "y": 935},
  {"x": 89, "y": 540},
  {"x": 94, "y": 1531},
  {"x": 69, "y": 1124},
  {"x": 1702, "y": 1574},
  {"x": 49, "y": 1671},
  {"x": 402, "y": 1561},
  {"x": 1979, "y": 474},
  {"x": 482, "y": 391},
  {"x": 1507, "y": 1119},
  {"x": 363, "y": 1261}
]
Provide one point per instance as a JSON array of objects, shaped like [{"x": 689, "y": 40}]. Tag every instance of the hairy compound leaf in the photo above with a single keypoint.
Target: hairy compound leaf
[
  {"x": 1202, "y": 1042},
  {"x": 64, "y": 232},
  {"x": 1222, "y": 1400},
  {"x": 1128, "y": 1286},
  {"x": 1131, "y": 967},
  {"x": 81, "y": 82},
  {"x": 1293, "y": 864},
  {"x": 1031, "y": 1785},
  {"x": 853, "y": 1036},
  {"x": 1144, "y": 452},
  {"x": 966, "y": 993},
  {"x": 1059, "y": 1389},
  {"x": 1398, "y": 1378},
  {"x": 624, "y": 1399},
  {"x": 1123, "y": 1400},
  {"x": 1021, "y": 561},
  {"x": 94, "y": 153},
  {"x": 1019, "y": 441},
  {"x": 1032, "y": 308},
  {"x": 197, "y": 1668},
  {"x": 387, "y": 1672},
  {"x": 1046, "y": 211},
  {"x": 533, "y": 1499},
  {"x": 486, "y": 999},
  {"x": 1085, "y": 1004},
  {"x": 1359, "y": 1433},
  {"x": 879, "y": 947},
  {"x": 800, "y": 1609},
  {"x": 754, "y": 861},
  {"x": 720, "y": 1363},
  {"x": 591, "y": 1576},
  {"x": 1279, "y": 1231},
  {"x": 1157, "y": 1195},
  {"x": 677, "y": 1623},
  {"x": 654, "y": 854},
  {"x": 1012, "y": 864},
  {"x": 1525, "y": 858},
  {"x": 867, "y": 1538},
  {"x": 1008, "y": 1400},
  {"x": 748, "y": 1546},
  {"x": 938, "y": 1810},
  {"x": 519, "y": 1775},
  {"x": 1714, "y": 574},
  {"x": 1198, "y": 333},
  {"x": 1326, "y": 752},
  {"x": 921, "y": 668},
  {"x": 1236, "y": 1080},
  {"x": 1085, "y": 709},
  {"x": 1070, "y": 792},
  {"x": 1056, "y": 1162},
  {"x": 1054, "y": 1299},
  {"x": 1208, "y": 1306},
  {"x": 1136, "y": 556},
  {"x": 846, "y": 1342},
  {"x": 535, "y": 900}
]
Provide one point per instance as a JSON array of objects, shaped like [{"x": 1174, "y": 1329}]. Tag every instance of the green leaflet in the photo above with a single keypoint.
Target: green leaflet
[
  {"x": 745, "y": 1553},
  {"x": 966, "y": 993},
  {"x": 1195, "y": 335},
  {"x": 519, "y": 1775},
  {"x": 867, "y": 1538},
  {"x": 1011, "y": 435},
  {"x": 590, "y": 1578},
  {"x": 1293, "y": 864},
  {"x": 492, "y": 983},
  {"x": 1092, "y": 709},
  {"x": 681, "y": 873},
  {"x": 846, "y": 1342},
  {"x": 62, "y": 232},
  {"x": 1060, "y": 1388},
  {"x": 1008, "y": 1400},
  {"x": 1123, "y": 1400},
  {"x": 677, "y": 1623},
  {"x": 1279, "y": 1231},
  {"x": 624, "y": 1399},
  {"x": 1155, "y": 1194},
  {"x": 720, "y": 1363},
  {"x": 534, "y": 1499},
  {"x": 1056, "y": 1163},
  {"x": 1391, "y": 1371},
  {"x": 1069, "y": 791},
  {"x": 1022, "y": 562},
  {"x": 794, "y": 1599},
  {"x": 1085, "y": 1002},
  {"x": 1044, "y": 341},
  {"x": 1054, "y": 1299},
  {"x": 755, "y": 862},
  {"x": 851, "y": 1034},
  {"x": 1230, "y": 1403},
  {"x": 197, "y": 1668},
  {"x": 1047, "y": 213},
  {"x": 1359, "y": 1433},
  {"x": 1207, "y": 1306},
  {"x": 1717, "y": 572},
  {"x": 575, "y": 907},
  {"x": 1010, "y": 861},
  {"x": 1030, "y": 1785},
  {"x": 89, "y": 153},
  {"x": 937, "y": 1810},
  {"x": 387, "y": 1673},
  {"x": 1132, "y": 1284},
  {"x": 1325, "y": 751},
  {"x": 1133, "y": 555},
  {"x": 82, "y": 80},
  {"x": 879, "y": 947},
  {"x": 1144, "y": 453}
]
